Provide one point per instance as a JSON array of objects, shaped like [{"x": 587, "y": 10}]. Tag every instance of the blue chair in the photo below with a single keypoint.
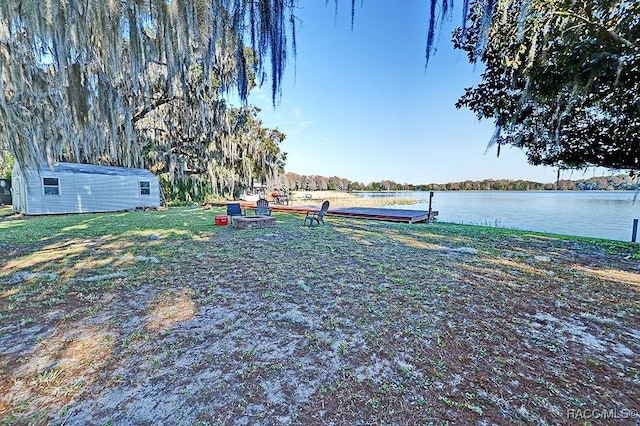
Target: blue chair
[
  {"x": 262, "y": 207},
  {"x": 233, "y": 210},
  {"x": 317, "y": 216}
]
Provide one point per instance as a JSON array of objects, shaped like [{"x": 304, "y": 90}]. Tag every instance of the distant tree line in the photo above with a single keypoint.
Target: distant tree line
[
  {"x": 608, "y": 183},
  {"x": 298, "y": 182}
]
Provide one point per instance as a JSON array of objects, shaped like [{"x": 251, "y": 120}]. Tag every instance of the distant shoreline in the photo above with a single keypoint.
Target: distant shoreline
[
  {"x": 491, "y": 190},
  {"x": 602, "y": 183}
]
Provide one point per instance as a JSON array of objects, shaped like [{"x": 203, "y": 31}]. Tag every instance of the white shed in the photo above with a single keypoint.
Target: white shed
[{"x": 82, "y": 188}]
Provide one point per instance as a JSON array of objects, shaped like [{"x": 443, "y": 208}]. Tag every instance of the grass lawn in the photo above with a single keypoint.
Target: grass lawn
[{"x": 162, "y": 318}]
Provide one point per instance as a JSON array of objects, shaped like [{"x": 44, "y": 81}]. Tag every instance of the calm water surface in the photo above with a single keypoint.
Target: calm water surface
[{"x": 601, "y": 214}]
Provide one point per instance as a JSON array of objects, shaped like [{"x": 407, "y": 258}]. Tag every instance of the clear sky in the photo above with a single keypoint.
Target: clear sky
[{"x": 360, "y": 105}]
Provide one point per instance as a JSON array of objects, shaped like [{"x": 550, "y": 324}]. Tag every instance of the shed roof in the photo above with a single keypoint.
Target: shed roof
[{"x": 94, "y": 169}]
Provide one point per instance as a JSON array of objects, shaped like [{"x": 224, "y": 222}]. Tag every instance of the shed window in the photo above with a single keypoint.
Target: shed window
[
  {"x": 51, "y": 186},
  {"x": 145, "y": 188}
]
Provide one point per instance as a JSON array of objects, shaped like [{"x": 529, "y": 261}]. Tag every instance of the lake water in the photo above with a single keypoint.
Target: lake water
[{"x": 601, "y": 214}]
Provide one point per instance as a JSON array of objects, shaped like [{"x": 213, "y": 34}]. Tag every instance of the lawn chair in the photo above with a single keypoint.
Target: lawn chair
[
  {"x": 262, "y": 207},
  {"x": 317, "y": 216},
  {"x": 233, "y": 209}
]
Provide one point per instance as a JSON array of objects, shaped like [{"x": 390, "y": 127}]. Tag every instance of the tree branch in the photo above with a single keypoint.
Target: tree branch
[
  {"x": 147, "y": 109},
  {"x": 617, "y": 37}
]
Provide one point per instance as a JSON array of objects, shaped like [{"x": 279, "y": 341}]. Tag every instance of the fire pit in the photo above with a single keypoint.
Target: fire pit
[{"x": 253, "y": 222}]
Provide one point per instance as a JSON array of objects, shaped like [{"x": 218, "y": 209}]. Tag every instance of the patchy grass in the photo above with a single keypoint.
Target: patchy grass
[{"x": 161, "y": 317}]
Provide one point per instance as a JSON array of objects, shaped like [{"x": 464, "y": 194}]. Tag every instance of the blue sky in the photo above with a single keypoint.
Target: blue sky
[{"x": 360, "y": 105}]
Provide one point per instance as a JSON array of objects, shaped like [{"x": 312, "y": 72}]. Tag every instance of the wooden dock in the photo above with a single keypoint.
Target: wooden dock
[{"x": 388, "y": 215}]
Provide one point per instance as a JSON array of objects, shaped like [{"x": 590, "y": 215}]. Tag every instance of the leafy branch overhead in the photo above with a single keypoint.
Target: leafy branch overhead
[{"x": 561, "y": 78}]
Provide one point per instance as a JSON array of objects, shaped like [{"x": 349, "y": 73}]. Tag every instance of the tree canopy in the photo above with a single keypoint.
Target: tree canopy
[
  {"x": 561, "y": 78},
  {"x": 133, "y": 83},
  {"x": 143, "y": 83}
]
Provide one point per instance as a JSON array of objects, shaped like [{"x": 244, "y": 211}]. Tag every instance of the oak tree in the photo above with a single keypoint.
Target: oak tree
[{"x": 561, "y": 78}]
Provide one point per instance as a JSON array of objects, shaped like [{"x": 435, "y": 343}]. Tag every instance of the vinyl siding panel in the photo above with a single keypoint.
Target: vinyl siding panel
[{"x": 89, "y": 189}]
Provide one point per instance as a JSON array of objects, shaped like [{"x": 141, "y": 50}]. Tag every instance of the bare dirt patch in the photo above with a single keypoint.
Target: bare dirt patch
[{"x": 356, "y": 322}]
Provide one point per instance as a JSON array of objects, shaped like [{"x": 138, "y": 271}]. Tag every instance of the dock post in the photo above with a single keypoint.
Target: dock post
[
  {"x": 634, "y": 232},
  {"x": 430, "y": 198}
]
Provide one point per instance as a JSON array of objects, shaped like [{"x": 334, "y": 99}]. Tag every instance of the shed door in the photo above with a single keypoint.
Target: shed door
[{"x": 18, "y": 195}]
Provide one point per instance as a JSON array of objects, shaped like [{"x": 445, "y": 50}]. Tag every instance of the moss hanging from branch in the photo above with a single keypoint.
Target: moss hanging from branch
[{"x": 78, "y": 77}]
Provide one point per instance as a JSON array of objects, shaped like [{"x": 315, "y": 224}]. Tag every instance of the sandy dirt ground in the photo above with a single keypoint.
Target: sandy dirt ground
[{"x": 161, "y": 318}]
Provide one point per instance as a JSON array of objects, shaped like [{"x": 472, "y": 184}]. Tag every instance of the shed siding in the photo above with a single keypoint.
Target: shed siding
[{"x": 81, "y": 192}]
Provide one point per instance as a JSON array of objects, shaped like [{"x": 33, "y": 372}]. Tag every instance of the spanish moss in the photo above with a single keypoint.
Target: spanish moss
[{"x": 130, "y": 83}]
